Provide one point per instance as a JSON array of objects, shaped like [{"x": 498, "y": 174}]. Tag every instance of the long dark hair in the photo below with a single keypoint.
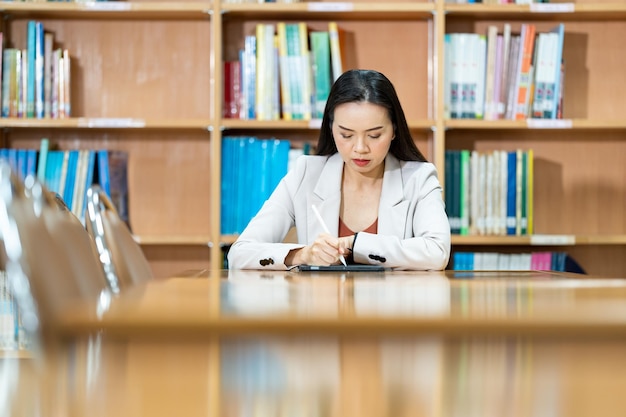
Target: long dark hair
[{"x": 372, "y": 87}]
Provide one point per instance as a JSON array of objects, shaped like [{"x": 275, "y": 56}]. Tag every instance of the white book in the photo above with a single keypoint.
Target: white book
[
  {"x": 506, "y": 54},
  {"x": 490, "y": 73}
]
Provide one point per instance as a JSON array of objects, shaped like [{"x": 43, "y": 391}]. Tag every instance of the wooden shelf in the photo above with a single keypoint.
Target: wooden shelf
[
  {"x": 104, "y": 123},
  {"x": 539, "y": 11},
  {"x": 109, "y": 10},
  {"x": 313, "y": 124},
  {"x": 538, "y": 240},
  {"x": 330, "y": 11},
  {"x": 562, "y": 124}
]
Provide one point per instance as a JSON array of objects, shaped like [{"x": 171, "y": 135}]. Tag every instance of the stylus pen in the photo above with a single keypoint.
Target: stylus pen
[{"x": 319, "y": 218}]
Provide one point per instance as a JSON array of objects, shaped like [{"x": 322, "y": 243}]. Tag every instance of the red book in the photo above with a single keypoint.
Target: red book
[{"x": 232, "y": 90}]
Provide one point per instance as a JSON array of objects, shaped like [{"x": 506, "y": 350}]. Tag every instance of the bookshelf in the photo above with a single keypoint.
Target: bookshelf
[{"x": 160, "y": 63}]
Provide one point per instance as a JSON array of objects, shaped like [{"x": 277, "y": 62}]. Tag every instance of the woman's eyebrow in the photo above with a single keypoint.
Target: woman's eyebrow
[{"x": 367, "y": 130}]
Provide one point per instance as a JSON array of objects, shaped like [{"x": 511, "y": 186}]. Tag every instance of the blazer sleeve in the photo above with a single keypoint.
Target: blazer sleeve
[
  {"x": 426, "y": 244},
  {"x": 260, "y": 245}
]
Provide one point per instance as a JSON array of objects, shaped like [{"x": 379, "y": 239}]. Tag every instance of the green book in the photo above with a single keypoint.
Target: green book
[{"x": 322, "y": 75}]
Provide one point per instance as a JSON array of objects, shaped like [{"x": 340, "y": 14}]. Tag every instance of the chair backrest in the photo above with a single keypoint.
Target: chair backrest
[
  {"x": 121, "y": 256},
  {"x": 45, "y": 253},
  {"x": 73, "y": 239}
]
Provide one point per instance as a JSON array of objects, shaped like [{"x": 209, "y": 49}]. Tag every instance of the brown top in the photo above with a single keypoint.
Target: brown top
[{"x": 345, "y": 231}]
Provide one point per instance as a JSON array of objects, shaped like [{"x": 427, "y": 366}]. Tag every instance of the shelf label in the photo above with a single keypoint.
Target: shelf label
[
  {"x": 552, "y": 7},
  {"x": 110, "y": 122},
  {"x": 552, "y": 240},
  {"x": 330, "y": 7},
  {"x": 549, "y": 123},
  {"x": 106, "y": 6},
  {"x": 315, "y": 124}
]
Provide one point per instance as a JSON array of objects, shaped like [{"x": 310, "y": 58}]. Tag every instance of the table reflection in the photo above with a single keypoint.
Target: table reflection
[{"x": 421, "y": 377}]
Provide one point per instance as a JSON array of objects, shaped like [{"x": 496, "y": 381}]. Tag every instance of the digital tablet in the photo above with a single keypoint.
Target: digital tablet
[{"x": 341, "y": 268}]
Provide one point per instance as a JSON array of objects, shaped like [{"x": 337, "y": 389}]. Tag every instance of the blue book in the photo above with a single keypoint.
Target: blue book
[
  {"x": 4, "y": 154},
  {"x": 31, "y": 162},
  {"x": 264, "y": 169},
  {"x": 53, "y": 171},
  {"x": 39, "y": 70},
  {"x": 21, "y": 162},
  {"x": 241, "y": 187},
  {"x": 89, "y": 178},
  {"x": 31, "y": 54},
  {"x": 103, "y": 171},
  {"x": 43, "y": 159},
  {"x": 511, "y": 191},
  {"x": 249, "y": 174},
  {"x": 227, "y": 189},
  {"x": 280, "y": 161},
  {"x": 248, "y": 77},
  {"x": 12, "y": 158},
  {"x": 70, "y": 179}
]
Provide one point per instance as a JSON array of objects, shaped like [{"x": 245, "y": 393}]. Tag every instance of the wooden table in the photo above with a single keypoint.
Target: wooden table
[{"x": 253, "y": 343}]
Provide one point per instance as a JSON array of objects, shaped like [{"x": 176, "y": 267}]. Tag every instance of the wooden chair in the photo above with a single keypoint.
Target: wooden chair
[{"x": 121, "y": 256}]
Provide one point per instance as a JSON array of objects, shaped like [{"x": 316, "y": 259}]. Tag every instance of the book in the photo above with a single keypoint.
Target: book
[
  {"x": 48, "y": 47},
  {"x": 336, "y": 50},
  {"x": 44, "y": 146},
  {"x": 504, "y": 71},
  {"x": 553, "y": 90},
  {"x": 285, "y": 71},
  {"x": 247, "y": 57},
  {"x": 524, "y": 71},
  {"x": 511, "y": 194},
  {"x": 490, "y": 74},
  {"x": 231, "y": 106},
  {"x": 227, "y": 200},
  {"x": 113, "y": 178},
  {"x": 39, "y": 93},
  {"x": 266, "y": 74},
  {"x": 70, "y": 179},
  {"x": 464, "y": 192},
  {"x": 322, "y": 72},
  {"x": 541, "y": 74},
  {"x": 31, "y": 52}
]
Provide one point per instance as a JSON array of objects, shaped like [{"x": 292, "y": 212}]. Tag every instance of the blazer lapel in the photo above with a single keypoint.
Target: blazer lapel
[
  {"x": 326, "y": 197},
  {"x": 393, "y": 222}
]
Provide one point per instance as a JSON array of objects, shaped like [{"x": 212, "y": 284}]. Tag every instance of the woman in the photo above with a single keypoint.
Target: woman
[{"x": 377, "y": 195}]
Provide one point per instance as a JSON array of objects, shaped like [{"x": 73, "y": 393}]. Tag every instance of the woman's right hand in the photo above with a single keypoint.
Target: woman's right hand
[{"x": 325, "y": 250}]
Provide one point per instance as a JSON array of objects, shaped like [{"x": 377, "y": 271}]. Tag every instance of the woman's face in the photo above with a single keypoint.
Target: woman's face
[{"x": 363, "y": 133}]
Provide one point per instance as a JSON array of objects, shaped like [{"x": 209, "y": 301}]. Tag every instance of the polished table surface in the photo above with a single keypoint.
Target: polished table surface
[
  {"x": 414, "y": 302},
  {"x": 251, "y": 343}
]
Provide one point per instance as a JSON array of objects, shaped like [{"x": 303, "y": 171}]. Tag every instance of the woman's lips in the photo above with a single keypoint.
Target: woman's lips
[{"x": 361, "y": 162}]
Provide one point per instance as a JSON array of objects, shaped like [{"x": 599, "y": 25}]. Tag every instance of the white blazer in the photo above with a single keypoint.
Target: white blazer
[{"x": 413, "y": 228}]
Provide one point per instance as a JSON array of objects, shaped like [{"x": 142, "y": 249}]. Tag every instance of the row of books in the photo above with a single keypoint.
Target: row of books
[
  {"x": 251, "y": 170},
  {"x": 283, "y": 71},
  {"x": 489, "y": 193},
  {"x": 529, "y": 261},
  {"x": 504, "y": 75},
  {"x": 36, "y": 78},
  {"x": 69, "y": 173}
]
